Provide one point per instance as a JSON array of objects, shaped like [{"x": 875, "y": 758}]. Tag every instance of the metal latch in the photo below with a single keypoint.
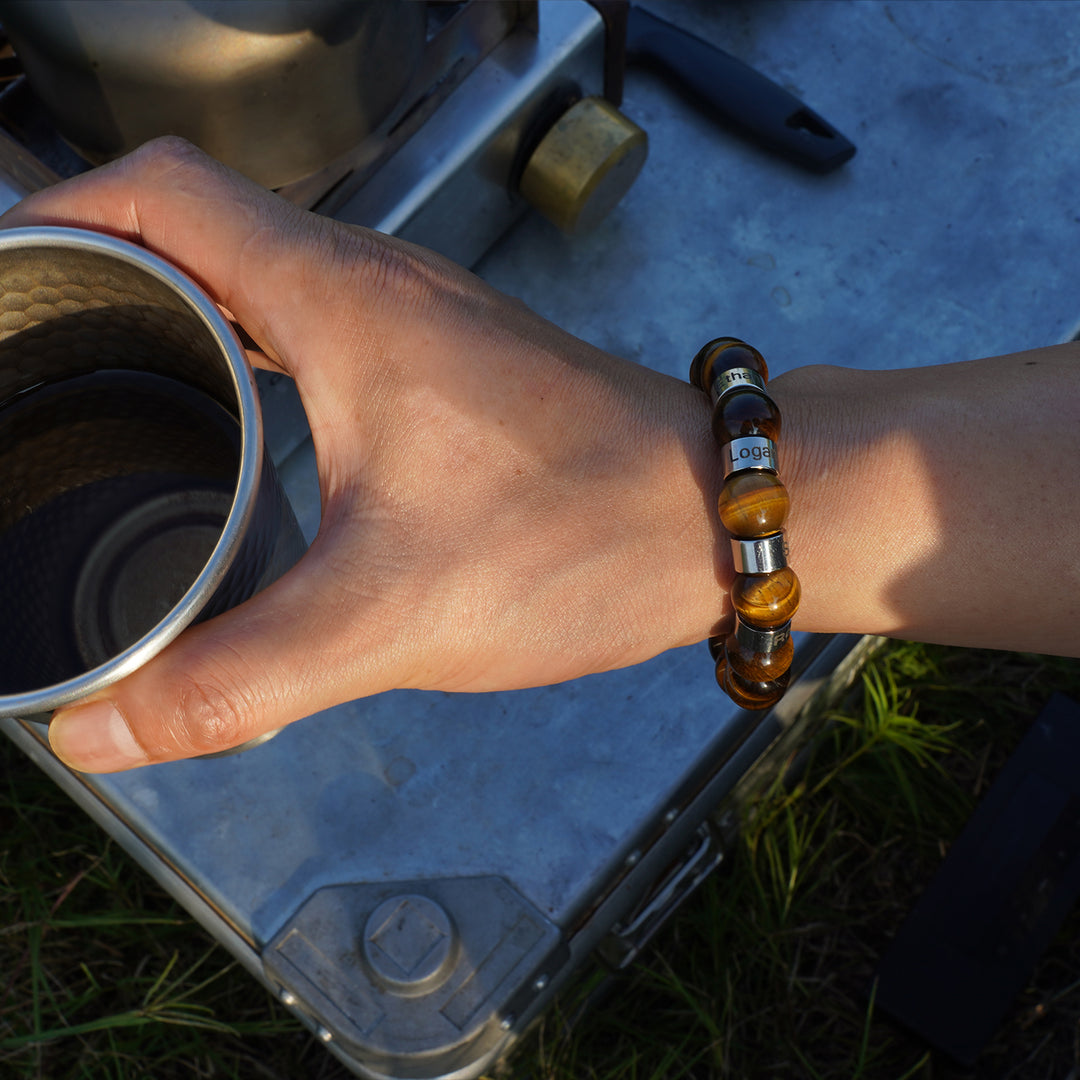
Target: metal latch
[{"x": 629, "y": 936}]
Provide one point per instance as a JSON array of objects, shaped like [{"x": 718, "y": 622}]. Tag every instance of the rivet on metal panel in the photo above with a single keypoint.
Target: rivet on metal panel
[
  {"x": 633, "y": 858},
  {"x": 540, "y": 983},
  {"x": 671, "y": 817},
  {"x": 324, "y": 1034},
  {"x": 287, "y": 997},
  {"x": 507, "y": 1022}
]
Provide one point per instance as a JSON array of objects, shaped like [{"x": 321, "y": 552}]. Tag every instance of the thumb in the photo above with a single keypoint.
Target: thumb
[{"x": 244, "y": 674}]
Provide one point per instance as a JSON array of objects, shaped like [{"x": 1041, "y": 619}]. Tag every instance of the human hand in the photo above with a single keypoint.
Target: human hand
[{"x": 502, "y": 505}]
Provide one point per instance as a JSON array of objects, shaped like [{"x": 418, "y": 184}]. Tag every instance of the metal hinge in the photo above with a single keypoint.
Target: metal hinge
[{"x": 629, "y": 936}]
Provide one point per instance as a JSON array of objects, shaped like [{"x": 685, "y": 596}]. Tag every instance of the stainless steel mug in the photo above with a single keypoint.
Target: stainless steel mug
[{"x": 135, "y": 494}]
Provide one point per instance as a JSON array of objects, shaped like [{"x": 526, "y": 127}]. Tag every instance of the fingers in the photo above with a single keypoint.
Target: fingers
[
  {"x": 167, "y": 196},
  {"x": 322, "y": 301},
  {"x": 246, "y": 246}
]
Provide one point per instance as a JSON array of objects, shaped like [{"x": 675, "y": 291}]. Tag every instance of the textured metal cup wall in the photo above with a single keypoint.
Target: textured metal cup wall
[{"x": 66, "y": 312}]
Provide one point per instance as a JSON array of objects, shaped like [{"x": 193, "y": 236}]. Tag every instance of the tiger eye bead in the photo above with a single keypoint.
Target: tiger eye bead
[
  {"x": 758, "y": 667},
  {"x": 753, "y": 504},
  {"x": 766, "y": 600},
  {"x": 720, "y": 354},
  {"x": 721, "y": 663},
  {"x": 745, "y": 412},
  {"x": 751, "y": 695}
]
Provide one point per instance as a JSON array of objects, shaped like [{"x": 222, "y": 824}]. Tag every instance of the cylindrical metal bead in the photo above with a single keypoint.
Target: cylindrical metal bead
[
  {"x": 753, "y": 503},
  {"x": 758, "y": 640},
  {"x": 760, "y": 555},
  {"x": 731, "y": 379},
  {"x": 746, "y": 411},
  {"x": 721, "y": 353},
  {"x": 751, "y": 452},
  {"x": 766, "y": 600}
]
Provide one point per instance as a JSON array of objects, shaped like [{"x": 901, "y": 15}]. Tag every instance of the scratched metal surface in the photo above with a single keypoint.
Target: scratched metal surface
[{"x": 951, "y": 235}]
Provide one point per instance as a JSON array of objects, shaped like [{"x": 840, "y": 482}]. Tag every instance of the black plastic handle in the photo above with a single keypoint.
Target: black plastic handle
[{"x": 742, "y": 96}]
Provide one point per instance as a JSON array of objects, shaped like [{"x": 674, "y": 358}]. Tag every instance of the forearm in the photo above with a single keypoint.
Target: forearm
[{"x": 941, "y": 503}]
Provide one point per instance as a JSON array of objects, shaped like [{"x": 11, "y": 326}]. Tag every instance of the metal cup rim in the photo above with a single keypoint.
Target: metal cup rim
[{"x": 35, "y": 703}]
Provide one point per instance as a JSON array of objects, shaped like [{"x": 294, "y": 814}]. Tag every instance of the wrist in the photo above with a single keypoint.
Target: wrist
[
  {"x": 684, "y": 567},
  {"x": 839, "y": 468}
]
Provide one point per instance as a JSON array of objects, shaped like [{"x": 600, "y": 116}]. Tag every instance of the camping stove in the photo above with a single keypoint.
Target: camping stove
[{"x": 447, "y": 166}]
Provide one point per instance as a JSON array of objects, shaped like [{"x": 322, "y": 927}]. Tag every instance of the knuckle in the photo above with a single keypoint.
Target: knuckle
[
  {"x": 212, "y": 714},
  {"x": 172, "y": 165},
  {"x": 167, "y": 153}
]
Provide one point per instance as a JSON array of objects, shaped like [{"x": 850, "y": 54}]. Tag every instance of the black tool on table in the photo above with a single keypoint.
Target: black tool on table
[{"x": 741, "y": 96}]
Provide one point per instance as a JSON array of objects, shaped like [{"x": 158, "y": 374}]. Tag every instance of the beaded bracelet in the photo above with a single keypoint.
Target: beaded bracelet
[{"x": 753, "y": 661}]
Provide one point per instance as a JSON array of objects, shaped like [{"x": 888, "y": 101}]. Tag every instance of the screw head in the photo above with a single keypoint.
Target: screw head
[{"x": 409, "y": 943}]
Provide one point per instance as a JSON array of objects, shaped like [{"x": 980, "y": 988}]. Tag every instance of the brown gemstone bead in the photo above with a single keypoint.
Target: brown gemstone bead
[
  {"x": 753, "y": 503},
  {"x": 751, "y": 695},
  {"x": 721, "y": 667},
  {"x": 722, "y": 354},
  {"x": 758, "y": 666},
  {"x": 745, "y": 412},
  {"x": 766, "y": 600}
]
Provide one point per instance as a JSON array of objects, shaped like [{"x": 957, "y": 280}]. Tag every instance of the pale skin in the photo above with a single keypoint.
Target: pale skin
[{"x": 506, "y": 506}]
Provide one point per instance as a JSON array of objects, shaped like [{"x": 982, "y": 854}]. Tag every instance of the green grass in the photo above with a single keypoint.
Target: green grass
[{"x": 766, "y": 972}]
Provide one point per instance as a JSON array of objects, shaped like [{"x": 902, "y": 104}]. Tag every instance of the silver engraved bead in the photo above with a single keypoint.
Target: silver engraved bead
[
  {"x": 749, "y": 452},
  {"x": 736, "y": 378},
  {"x": 761, "y": 641},
  {"x": 762, "y": 555}
]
